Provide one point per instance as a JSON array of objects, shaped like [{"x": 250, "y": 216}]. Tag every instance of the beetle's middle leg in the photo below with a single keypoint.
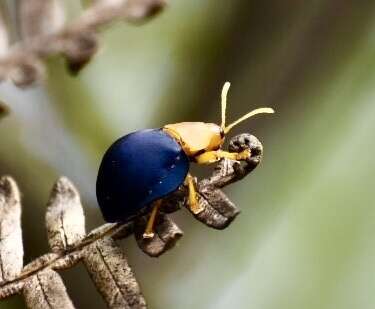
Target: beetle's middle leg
[
  {"x": 214, "y": 156},
  {"x": 149, "y": 231},
  {"x": 194, "y": 205}
]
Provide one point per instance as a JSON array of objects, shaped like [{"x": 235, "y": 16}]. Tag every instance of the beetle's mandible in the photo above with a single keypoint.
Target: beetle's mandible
[{"x": 141, "y": 168}]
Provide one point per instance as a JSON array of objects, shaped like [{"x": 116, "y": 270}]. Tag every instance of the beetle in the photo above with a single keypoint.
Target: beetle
[{"x": 141, "y": 168}]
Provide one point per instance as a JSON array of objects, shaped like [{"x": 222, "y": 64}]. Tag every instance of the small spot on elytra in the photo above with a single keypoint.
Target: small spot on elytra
[
  {"x": 149, "y": 191},
  {"x": 178, "y": 158},
  {"x": 173, "y": 166}
]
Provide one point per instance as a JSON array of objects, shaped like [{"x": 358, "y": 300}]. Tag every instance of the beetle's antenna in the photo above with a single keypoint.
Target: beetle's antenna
[
  {"x": 262, "y": 110},
  {"x": 224, "y": 93}
]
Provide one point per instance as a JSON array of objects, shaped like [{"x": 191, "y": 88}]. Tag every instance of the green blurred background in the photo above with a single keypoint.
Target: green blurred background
[{"x": 304, "y": 237}]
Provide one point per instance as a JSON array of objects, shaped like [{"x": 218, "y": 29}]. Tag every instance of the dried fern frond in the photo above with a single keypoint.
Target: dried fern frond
[
  {"x": 107, "y": 265},
  {"x": 44, "y": 33}
]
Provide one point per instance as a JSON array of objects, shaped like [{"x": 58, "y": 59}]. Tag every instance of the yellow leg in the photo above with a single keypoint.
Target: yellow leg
[
  {"x": 214, "y": 156},
  {"x": 149, "y": 232},
  {"x": 194, "y": 205}
]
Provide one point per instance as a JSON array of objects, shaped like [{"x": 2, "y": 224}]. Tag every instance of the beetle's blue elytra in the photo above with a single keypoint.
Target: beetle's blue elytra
[
  {"x": 138, "y": 169},
  {"x": 145, "y": 166}
]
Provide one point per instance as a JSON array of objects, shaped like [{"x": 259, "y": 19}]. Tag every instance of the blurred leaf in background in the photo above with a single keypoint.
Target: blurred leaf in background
[{"x": 304, "y": 237}]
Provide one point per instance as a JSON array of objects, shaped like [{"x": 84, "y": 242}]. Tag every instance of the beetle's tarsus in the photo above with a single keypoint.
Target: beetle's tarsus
[
  {"x": 149, "y": 232},
  {"x": 148, "y": 235},
  {"x": 195, "y": 207},
  {"x": 244, "y": 155}
]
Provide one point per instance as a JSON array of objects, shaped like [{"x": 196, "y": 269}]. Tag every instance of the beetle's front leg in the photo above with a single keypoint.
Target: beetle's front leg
[
  {"x": 149, "y": 232},
  {"x": 194, "y": 205},
  {"x": 214, "y": 156}
]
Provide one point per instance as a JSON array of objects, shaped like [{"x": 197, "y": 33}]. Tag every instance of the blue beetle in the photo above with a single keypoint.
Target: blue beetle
[{"x": 141, "y": 168}]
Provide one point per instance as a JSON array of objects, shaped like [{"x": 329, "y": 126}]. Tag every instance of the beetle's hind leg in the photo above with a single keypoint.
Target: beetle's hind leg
[
  {"x": 194, "y": 205},
  {"x": 149, "y": 231}
]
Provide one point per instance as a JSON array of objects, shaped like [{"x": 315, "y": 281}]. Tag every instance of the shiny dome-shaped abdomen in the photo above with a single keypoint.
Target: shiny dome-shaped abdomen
[{"x": 138, "y": 169}]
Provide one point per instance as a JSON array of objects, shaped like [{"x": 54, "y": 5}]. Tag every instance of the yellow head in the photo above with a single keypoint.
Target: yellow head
[{"x": 198, "y": 137}]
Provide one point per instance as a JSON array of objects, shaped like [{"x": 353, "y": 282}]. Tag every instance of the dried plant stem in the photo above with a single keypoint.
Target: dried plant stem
[
  {"x": 68, "y": 258},
  {"x": 107, "y": 265}
]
